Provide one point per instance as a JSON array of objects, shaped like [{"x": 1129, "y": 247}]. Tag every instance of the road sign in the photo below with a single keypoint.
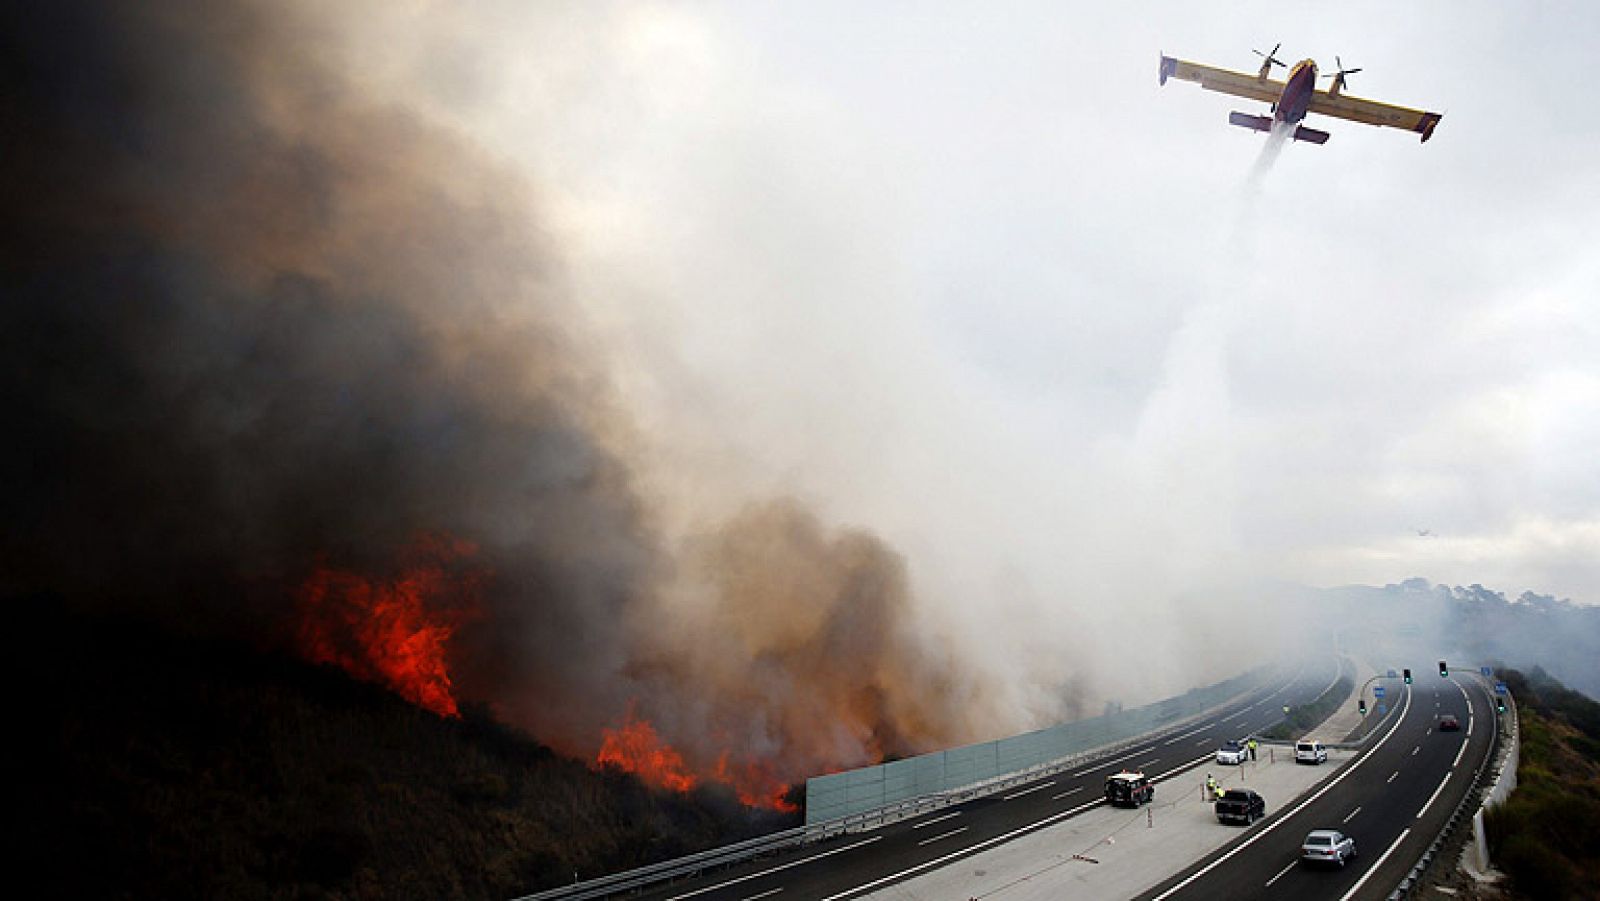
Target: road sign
[
  {"x": 1377, "y": 691},
  {"x": 1391, "y": 675},
  {"x": 1499, "y": 688},
  {"x": 1486, "y": 670},
  {"x": 1383, "y": 708}
]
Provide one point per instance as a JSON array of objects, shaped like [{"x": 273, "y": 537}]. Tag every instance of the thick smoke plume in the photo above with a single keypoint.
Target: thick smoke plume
[{"x": 260, "y": 330}]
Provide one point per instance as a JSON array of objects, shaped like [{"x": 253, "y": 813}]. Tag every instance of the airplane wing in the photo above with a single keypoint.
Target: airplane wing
[
  {"x": 1372, "y": 112},
  {"x": 1238, "y": 84}
]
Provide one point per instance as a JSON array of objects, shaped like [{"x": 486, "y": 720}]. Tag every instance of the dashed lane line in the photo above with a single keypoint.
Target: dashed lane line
[
  {"x": 765, "y": 894},
  {"x": 1065, "y": 793},
  {"x": 1177, "y": 738},
  {"x": 937, "y": 820},
  {"x": 1392, "y": 776},
  {"x": 1353, "y": 813},
  {"x": 1458, "y": 755},
  {"x": 1029, "y": 791},
  {"x": 1286, "y": 869},
  {"x": 928, "y": 841}
]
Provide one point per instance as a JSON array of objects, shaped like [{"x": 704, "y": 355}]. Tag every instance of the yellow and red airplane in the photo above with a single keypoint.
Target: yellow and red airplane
[{"x": 1292, "y": 99}]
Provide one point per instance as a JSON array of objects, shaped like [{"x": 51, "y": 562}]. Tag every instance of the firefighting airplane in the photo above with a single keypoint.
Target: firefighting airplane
[{"x": 1292, "y": 99}]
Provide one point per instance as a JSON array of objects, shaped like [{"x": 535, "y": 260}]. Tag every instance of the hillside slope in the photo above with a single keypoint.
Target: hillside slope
[
  {"x": 1543, "y": 836},
  {"x": 159, "y": 766}
]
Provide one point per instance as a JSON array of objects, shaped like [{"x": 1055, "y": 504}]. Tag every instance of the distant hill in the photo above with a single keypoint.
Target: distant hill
[
  {"x": 1530, "y": 630},
  {"x": 160, "y": 766}
]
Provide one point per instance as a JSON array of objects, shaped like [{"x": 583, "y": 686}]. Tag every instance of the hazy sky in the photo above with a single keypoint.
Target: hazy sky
[{"x": 967, "y": 276}]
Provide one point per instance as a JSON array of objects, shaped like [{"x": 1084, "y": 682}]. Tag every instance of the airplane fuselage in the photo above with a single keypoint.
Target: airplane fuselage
[{"x": 1297, "y": 90}]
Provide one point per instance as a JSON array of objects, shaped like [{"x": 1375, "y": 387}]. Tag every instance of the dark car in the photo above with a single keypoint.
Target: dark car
[
  {"x": 1449, "y": 723},
  {"x": 1240, "y": 805},
  {"x": 1129, "y": 789}
]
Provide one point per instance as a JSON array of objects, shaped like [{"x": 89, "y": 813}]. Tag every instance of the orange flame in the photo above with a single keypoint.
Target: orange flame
[
  {"x": 637, "y": 748},
  {"x": 755, "y": 784},
  {"x": 396, "y": 633}
]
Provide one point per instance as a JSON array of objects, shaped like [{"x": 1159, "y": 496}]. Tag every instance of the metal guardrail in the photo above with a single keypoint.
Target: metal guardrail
[
  {"x": 695, "y": 864},
  {"x": 1413, "y": 878}
]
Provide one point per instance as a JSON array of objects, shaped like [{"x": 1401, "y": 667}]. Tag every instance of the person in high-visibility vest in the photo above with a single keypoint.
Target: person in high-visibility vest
[
  {"x": 1211, "y": 785},
  {"x": 1252, "y": 747}
]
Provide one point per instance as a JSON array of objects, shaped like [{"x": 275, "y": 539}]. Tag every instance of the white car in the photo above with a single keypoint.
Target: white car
[
  {"x": 1310, "y": 752},
  {"x": 1232, "y": 753},
  {"x": 1327, "y": 846}
]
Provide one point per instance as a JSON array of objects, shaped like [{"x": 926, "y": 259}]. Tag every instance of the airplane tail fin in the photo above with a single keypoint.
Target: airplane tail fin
[{"x": 1243, "y": 120}]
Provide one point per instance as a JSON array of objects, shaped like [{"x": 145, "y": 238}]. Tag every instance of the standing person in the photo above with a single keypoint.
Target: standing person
[
  {"x": 1211, "y": 786},
  {"x": 1252, "y": 747}
]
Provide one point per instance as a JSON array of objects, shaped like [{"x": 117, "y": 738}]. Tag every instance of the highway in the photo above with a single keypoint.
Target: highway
[
  {"x": 859, "y": 863},
  {"x": 1392, "y": 800}
]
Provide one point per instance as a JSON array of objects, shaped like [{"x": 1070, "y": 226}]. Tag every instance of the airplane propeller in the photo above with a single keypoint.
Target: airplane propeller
[
  {"x": 1271, "y": 58},
  {"x": 1339, "y": 77}
]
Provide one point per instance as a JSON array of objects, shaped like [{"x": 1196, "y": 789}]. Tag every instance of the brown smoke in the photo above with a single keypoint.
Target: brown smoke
[{"x": 256, "y": 324}]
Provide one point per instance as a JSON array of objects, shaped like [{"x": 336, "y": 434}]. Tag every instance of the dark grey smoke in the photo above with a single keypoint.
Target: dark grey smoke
[
  {"x": 254, "y": 323},
  {"x": 251, "y": 323}
]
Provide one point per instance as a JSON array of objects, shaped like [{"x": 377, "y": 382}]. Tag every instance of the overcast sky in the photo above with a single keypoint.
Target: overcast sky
[{"x": 966, "y": 275}]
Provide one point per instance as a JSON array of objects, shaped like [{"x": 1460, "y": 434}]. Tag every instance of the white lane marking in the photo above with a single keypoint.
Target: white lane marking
[
  {"x": 1281, "y": 872},
  {"x": 938, "y": 861},
  {"x": 1458, "y": 755},
  {"x": 946, "y": 835},
  {"x": 1235, "y": 716},
  {"x": 1353, "y": 814},
  {"x": 1029, "y": 791},
  {"x": 1148, "y": 762},
  {"x": 937, "y": 820},
  {"x": 1469, "y": 725},
  {"x": 1182, "y": 766},
  {"x": 792, "y": 863},
  {"x": 1065, "y": 793},
  {"x": 1404, "y": 709},
  {"x": 765, "y": 894},
  {"x": 1203, "y": 741},
  {"x": 1433, "y": 797},
  {"x": 1415, "y": 750},
  {"x": 1391, "y": 776},
  {"x": 1103, "y": 766},
  {"x": 1177, "y": 738},
  {"x": 1374, "y": 868}
]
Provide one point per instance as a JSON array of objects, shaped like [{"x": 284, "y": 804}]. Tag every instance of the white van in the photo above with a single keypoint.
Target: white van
[{"x": 1310, "y": 752}]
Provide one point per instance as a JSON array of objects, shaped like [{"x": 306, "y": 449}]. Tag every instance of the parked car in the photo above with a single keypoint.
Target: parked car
[
  {"x": 1129, "y": 788},
  {"x": 1448, "y": 723},
  {"x": 1231, "y": 753},
  {"x": 1310, "y": 752},
  {"x": 1240, "y": 805},
  {"x": 1327, "y": 846}
]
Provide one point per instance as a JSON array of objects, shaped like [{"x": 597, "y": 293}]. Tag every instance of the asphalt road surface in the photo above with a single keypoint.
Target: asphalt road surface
[
  {"x": 855, "y": 864},
  {"x": 1392, "y": 800}
]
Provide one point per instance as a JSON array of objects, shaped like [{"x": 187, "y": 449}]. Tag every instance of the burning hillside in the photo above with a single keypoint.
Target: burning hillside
[
  {"x": 396, "y": 633},
  {"x": 259, "y": 323}
]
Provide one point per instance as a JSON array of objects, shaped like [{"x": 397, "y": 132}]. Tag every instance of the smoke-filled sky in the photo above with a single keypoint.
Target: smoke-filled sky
[
  {"x": 895, "y": 367},
  {"x": 976, "y": 280}
]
